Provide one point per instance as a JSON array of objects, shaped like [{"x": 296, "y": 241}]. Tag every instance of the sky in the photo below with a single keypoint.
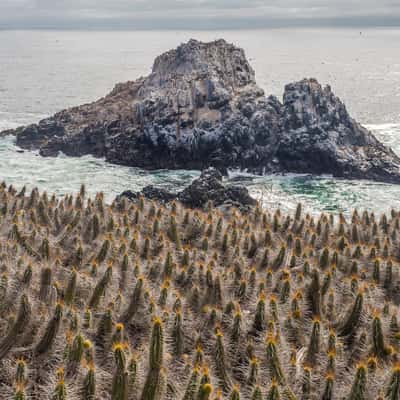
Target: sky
[{"x": 195, "y": 14}]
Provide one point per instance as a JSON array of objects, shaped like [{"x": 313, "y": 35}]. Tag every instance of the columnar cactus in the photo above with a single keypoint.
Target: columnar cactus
[
  {"x": 71, "y": 288},
  {"x": 204, "y": 392},
  {"x": 153, "y": 387},
  {"x": 314, "y": 344},
  {"x": 21, "y": 321},
  {"x": 379, "y": 348},
  {"x": 178, "y": 336},
  {"x": 192, "y": 385},
  {"x": 274, "y": 362},
  {"x": 351, "y": 322},
  {"x": 100, "y": 288},
  {"x": 393, "y": 389},
  {"x": 259, "y": 317},
  {"x": 135, "y": 302},
  {"x": 314, "y": 294},
  {"x": 46, "y": 342},
  {"x": 45, "y": 283},
  {"x": 75, "y": 355},
  {"x": 120, "y": 384},
  {"x": 328, "y": 393},
  {"x": 359, "y": 388}
]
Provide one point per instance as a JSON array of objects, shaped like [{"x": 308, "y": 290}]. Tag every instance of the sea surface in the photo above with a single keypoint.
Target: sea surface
[{"x": 42, "y": 72}]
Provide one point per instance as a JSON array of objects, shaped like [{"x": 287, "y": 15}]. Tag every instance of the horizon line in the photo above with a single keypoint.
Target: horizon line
[{"x": 202, "y": 24}]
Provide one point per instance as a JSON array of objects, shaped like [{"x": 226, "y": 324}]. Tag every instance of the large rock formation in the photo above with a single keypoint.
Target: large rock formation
[{"x": 201, "y": 107}]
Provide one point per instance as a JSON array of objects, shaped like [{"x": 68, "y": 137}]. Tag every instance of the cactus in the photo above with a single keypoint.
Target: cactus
[
  {"x": 173, "y": 233},
  {"x": 21, "y": 374},
  {"x": 360, "y": 384},
  {"x": 120, "y": 384},
  {"x": 314, "y": 344},
  {"x": 236, "y": 327},
  {"x": 178, "y": 335},
  {"x": 280, "y": 258},
  {"x": 393, "y": 389},
  {"x": 45, "y": 283},
  {"x": 274, "y": 362},
  {"x": 253, "y": 372},
  {"x": 19, "y": 393},
  {"x": 46, "y": 342},
  {"x": 324, "y": 259},
  {"x": 100, "y": 288},
  {"x": 351, "y": 322},
  {"x": 21, "y": 321},
  {"x": 102, "y": 255},
  {"x": 192, "y": 385},
  {"x": 135, "y": 302},
  {"x": 379, "y": 348},
  {"x": 328, "y": 393},
  {"x": 71, "y": 288},
  {"x": 259, "y": 317},
  {"x": 220, "y": 362},
  {"x": 204, "y": 392},
  {"x": 273, "y": 393},
  {"x": 60, "y": 392},
  {"x": 235, "y": 394},
  {"x": 104, "y": 328},
  {"x": 314, "y": 294},
  {"x": 75, "y": 355},
  {"x": 153, "y": 387},
  {"x": 306, "y": 383},
  {"x": 257, "y": 394}
]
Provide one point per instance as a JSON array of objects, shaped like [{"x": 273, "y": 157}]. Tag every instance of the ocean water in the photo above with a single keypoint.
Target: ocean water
[{"x": 42, "y": 72}]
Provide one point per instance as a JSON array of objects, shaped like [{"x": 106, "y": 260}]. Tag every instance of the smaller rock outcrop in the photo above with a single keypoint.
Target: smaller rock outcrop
[
  {"x": 320, "y": 137},
  {"x": 209, "y": 187}
]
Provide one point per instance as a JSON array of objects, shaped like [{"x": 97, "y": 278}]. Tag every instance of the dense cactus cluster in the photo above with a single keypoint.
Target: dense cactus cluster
[{"x": 146, "y": 301}]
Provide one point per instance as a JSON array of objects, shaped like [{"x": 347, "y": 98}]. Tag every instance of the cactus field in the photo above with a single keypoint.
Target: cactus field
[{"x": 145, "y": 301}]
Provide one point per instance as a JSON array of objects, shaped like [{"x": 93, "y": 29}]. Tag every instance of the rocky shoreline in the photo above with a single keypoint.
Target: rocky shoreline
[{"x": 201, "y": 107}]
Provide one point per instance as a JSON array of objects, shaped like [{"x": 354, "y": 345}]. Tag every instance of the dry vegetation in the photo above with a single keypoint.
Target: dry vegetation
[{"x": 144, "y": 301}]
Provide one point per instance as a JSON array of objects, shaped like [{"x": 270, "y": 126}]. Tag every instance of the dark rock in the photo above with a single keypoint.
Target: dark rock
[
  {"x": 209, "y": 187},
  {"x": 201, "y": 107},
  {"x": 7, "y": 132},
  {"x": 162, "y": 195},
  {"x": 241, "y": 178},
  {"x": 129, "y": 195}
]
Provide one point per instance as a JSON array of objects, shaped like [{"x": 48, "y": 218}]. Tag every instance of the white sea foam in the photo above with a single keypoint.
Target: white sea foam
[{"x": 319, "y": 193}]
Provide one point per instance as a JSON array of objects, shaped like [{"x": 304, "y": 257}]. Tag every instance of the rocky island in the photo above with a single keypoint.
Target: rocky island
[{"x": 201, "y": 107}]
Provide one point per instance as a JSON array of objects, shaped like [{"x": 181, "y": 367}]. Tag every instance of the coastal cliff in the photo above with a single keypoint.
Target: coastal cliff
[{"x": 201, "y": 107}]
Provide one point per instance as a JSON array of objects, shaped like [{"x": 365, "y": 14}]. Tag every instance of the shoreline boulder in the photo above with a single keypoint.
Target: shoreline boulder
[{"x": 209, "y": 187}]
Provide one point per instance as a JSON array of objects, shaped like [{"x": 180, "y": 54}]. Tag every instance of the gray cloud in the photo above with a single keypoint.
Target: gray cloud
[{"x": 195, "y": 13}]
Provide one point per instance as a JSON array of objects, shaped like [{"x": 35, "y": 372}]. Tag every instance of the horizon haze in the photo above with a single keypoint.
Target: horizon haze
[{"x": 196, "y": 14}]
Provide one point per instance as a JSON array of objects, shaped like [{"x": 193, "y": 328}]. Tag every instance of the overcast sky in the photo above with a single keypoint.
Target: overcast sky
[{"x": 196, "y": 14}]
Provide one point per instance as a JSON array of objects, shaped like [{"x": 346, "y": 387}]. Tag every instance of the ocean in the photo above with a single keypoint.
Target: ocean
[{"x": 42, "y": 72}]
